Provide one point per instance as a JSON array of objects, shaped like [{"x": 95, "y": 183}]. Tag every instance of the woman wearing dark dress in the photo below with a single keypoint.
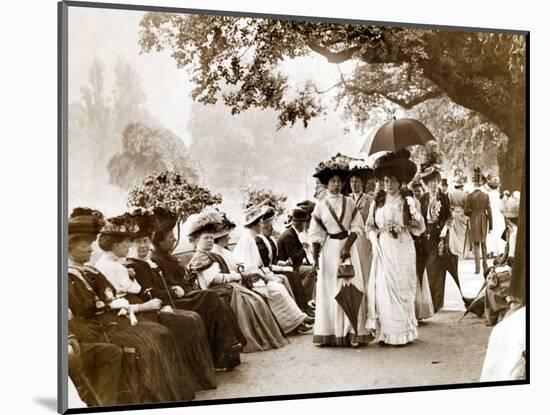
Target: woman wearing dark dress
[
  {"x": 173, "y": 287},
  {"x": 157, "y": 374},
  {"x": 436, "y": 209},
  {"x": 186, "y": 326}
]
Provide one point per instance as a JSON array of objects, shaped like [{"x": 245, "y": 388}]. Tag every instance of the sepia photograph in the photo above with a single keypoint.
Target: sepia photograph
[{"x": 262, "y": 206}]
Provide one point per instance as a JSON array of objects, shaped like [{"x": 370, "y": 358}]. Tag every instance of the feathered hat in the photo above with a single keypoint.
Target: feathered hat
[
  {"x": 164, "y": 220},
  {"x": 395, "y": 164},
  {"x": 207, "y": 220}
]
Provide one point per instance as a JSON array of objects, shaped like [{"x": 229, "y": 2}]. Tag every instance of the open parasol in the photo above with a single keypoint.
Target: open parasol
[
  {"x": 397, "y": 134},
  {"x": 350, "y": 299}
]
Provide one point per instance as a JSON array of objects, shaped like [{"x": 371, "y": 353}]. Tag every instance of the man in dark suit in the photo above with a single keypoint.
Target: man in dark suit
[
  {"x": 478, "y": 209},
  {"x": 290, "y": 249}
]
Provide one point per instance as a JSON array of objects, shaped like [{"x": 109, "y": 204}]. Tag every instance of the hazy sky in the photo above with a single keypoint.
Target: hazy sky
[{"x": 112, "y": 35}]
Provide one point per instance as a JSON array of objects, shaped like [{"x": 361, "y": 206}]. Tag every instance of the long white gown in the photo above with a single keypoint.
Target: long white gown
[
  {"x": 287, "y": 313},
  {"x": 332, "y": 326},
  {"x": 393, "y": 279}
]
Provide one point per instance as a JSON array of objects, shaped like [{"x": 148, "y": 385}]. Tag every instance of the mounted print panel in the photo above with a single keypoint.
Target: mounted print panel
[{"x": 261, "y": 207}]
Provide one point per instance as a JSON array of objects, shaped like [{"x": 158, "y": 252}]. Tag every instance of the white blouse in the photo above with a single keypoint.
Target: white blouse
[
  {"x": 318, "y": 234},
  {"x": 117, "y": 274}
]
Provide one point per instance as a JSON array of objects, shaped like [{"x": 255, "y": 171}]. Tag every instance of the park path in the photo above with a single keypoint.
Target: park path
[{"x": 446, "y": 352}]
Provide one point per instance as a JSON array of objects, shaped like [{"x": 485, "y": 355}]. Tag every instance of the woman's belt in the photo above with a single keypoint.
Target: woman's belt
[{"x": 340, "y": 235}]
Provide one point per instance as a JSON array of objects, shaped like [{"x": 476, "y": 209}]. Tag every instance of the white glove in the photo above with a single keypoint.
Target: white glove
[
  {"x": 178, "y": 291},
  {"x": 443, "y": 232},
  {"x": 119, "y": 303}
]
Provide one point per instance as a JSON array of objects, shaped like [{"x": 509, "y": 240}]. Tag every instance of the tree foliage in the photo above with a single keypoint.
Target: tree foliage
[
  {"x": 254, "y": 195},
  {"x": 171, "y": 191},
  {"x": 238, "y": 61},
  {"x": 147, "y": 150}
]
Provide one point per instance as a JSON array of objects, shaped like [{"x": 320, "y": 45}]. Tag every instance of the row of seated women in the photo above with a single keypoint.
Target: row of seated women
[{"x": 145, "y": 329}]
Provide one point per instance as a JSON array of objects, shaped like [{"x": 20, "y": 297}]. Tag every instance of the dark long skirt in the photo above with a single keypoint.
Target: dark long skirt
[
  {"x": 190, "y": 334},
  {"x": 222, "y": 329},
  {"x": 153, "y": 370},
  {"x": 188, "y": 329},
  {"x": 436, "y": 266},
  {"x": 298, "y": 289}
]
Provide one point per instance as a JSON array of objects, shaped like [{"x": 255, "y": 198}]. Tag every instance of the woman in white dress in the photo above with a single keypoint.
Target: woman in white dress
[
  {"x": 283, "y": 306},
  {"x": 392, "y": 285},
  {"x": 335, "y": 226},
  {"x": 495, "y": 243}
]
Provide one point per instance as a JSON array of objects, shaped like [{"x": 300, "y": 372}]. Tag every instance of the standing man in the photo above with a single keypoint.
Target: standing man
[
  {"x": 290, "y": 248},
  {"x": 478, "y": 209}
]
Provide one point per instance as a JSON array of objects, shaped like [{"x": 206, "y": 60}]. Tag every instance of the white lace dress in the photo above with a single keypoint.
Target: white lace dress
[{"x": 393, "y": 279}]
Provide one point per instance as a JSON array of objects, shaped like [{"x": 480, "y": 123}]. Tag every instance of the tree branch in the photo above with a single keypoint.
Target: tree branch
[
  {"x": 404, "y": 103},
  {"x": 333, "y": 57}
]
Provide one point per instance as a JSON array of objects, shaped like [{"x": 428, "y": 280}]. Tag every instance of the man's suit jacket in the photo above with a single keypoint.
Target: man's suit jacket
[
  {"x": 290, "y": 247},
  {"x": 478, "y": 208}
]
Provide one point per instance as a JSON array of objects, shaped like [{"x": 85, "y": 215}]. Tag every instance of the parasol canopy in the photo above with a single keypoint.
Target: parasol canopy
[
  {"x": 397, "y": 134},
  {"x": 350, "y": 298}
]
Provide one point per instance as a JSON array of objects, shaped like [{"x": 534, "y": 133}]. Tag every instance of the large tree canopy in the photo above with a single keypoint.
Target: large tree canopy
[{"x": 238, "y": 60}]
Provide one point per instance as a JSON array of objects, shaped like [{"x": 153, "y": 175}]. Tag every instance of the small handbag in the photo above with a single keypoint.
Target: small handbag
[{"x": 345, "y": 270}]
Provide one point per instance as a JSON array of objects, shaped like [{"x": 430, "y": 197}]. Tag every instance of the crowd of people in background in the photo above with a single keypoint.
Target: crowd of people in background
[{"x": 364, "y": 264}]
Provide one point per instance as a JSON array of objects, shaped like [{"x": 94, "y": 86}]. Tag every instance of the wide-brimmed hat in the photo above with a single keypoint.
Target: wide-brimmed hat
[
  {"x": 338, "y": 165},
  {"x": 164, "y": 220},
  {"x": 122, "y": 225},
  {"x": 397, "y": 165},
  {"x": 509, "y": 205},
  {"x": 359, "y": 168},
  {"x": 206, "y": 221},
  {"x": 85, "y": 221}
]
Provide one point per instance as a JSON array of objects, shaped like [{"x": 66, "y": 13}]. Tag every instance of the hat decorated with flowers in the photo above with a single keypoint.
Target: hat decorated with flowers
[
  {"x": 122, "y": 225},
  {"x": 338, "y": 165},
  {"x": 430, "y": 169}
]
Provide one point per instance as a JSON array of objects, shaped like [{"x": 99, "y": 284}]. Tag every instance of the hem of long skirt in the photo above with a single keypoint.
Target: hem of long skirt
[
  {"x": 398, "y": 338},
  {"x": 293, "y": 327},
  {"x": 333, "y": 340}
]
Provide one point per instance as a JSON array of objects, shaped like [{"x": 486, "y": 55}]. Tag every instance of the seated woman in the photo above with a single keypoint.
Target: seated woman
[
  {"x": 171, "y": 284},
  {"x": 186, "y": 326},
  {"x": 212, "y": 271},
  {"x": 267, "y": 248},
  {"x": 287, "y": 313},
  {"x": 158, "y": 374}
]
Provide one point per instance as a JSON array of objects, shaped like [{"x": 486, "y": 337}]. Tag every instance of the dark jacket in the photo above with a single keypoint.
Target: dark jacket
[
  {"x": 264, "y": 251},
  {"x": 478, "y": 209},
  {"x": 290, "y": 247},
  {"x": 445, "y": 211}
]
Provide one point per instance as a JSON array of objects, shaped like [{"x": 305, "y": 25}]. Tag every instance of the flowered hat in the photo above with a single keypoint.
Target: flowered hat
[
  {"x": 397, "y": 165},
  {"x": 206, "y": 221},
  {"x": 85, "y": 221},
  {"x": 338, "y": 165},
  {"x": 122, "y": 225}
]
